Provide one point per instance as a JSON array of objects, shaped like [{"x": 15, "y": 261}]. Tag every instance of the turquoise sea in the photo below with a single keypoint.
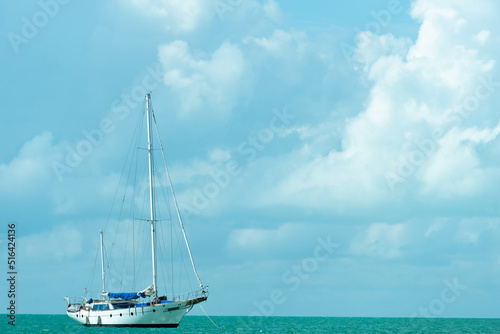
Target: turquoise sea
[{"x": 201, "y": 324}]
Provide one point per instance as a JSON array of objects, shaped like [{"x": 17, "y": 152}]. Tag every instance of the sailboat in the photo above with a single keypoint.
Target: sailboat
[{"x": 147, "y": 307}]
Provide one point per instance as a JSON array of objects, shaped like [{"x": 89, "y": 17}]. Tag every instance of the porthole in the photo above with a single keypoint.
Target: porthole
[
  {"x": 154, "y": 310},
  {"x": 110, "y": 315},
  {"x": 77, "y": 315},
  {"x": 132, "y": 313},
  {"x": 120, "y": 314}
]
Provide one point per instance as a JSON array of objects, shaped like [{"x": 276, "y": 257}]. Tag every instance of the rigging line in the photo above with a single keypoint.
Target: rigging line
[
  {"x": 168, "y": 275},
  {"x": 207, "y": 316},
  {"x": 135, "y": 185},
  {"x": 112, "y": 267},
  {"x": 145, "y": 258},
  {"x": 162, "y": 183},
  {"x": 132, "y": 211},
  {"x": 121, "y": 176},
  {"x": 185, "y": 269},
  {"x": 162, "y": 180},
  {"x": 123, "y": 261},
  {"x": 181, "y": 251},
  {"x": 182, "y": 266},
  {"x": 162, "y": 264},
  {"x": 129, "y": 163},
  {"x": 175, "y": 202},
  {"x": 91, "y": 278},
  {"x": 133, "y": 254},
  {"x": 171, "y": 247},
  {"x": 125, "y": 253},
  {"x": 170, "y": 270},
  {"x": 137, "y": 208},
  {"x": 159, "y": 252}
]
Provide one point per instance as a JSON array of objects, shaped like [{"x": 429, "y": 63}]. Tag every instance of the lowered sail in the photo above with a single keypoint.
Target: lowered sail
[{"x": 149, "y": 291}]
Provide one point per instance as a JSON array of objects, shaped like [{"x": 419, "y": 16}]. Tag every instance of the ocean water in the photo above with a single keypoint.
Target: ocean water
[{"x": 201, "y": 324}]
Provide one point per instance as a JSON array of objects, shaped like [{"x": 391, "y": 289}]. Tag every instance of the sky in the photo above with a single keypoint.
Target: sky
[{"x": 340, "y": 155}]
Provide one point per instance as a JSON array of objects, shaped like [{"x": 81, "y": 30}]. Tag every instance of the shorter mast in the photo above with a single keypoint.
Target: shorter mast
[{"x": 102, "y": 264}]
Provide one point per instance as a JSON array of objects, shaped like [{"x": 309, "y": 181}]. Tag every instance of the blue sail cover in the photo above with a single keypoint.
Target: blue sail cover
[{"x": 126, "y": 295}]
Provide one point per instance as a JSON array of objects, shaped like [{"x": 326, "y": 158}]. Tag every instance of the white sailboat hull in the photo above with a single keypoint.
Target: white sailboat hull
[{"x": 161, "y": 315}]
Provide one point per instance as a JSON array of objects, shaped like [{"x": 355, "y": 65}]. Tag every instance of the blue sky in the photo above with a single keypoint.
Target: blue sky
[{"x": 365, "y": 137}]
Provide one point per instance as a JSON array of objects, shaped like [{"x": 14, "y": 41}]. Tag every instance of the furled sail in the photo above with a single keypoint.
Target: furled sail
[{"x": 149, "y": 291}]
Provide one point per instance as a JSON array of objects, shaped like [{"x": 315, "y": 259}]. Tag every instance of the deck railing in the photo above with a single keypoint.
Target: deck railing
[
  {"x": 76, "y": 302},
  {"x": 191, "y": 295}
]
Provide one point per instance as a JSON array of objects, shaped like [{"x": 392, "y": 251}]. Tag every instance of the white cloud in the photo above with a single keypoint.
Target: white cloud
[
  {"x": 447, "y": 23},
  {"x": 213, "y": 82},
  {"x": 371, "y": 47},
  {"x": 381, "y": 240},
  {"x": 282, "y": 44},
  {"x": 201, "y": 169},
  {"x": 272, "y": 10},
  {"x": 179, "y": 15},
  {"x": 31, "y": 168},
  {"x": 434, "y": 228},
  {"x": 219, "y": 155},
  {"x": 253, "y": 12},
  {"x": 185, "y": 16},
  {"x": 483, "y": 36},
  {"x": 426, "y": 92},
  {"x": 62, "y": 242},
  {"x": 470, "y": 231},
  {"x": 456, "y": 166},
  {"x": 285, "y": 239}
]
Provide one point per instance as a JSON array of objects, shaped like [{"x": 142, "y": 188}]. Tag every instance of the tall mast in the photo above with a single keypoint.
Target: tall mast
[
  {"x": 151, "y": 190},
  {"x": 102, "y": 263}
]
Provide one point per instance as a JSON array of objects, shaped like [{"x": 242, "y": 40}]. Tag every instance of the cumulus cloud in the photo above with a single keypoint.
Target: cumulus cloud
[
  {"x": 248, "y": 10},
  {"x": 204, "y": 82},
  {"x": 470, "y": 231},
  {"x": 288, "y": 240},
  {"x": 482, "y": 37},
  {"x": 258, "y": 240},
  {"x": 456, "y": 166},
  {"x": 185, "y": 16},
  {"x": 62, "y": 242},
  {"x": 282, "y": 44},
  {"x": 272, "y": 10},
  {"x": 179, "y": 15},
  {"x": 420, "y": 128},
  {"x": 381, "y": 240},
  {"x": 31, "y": 168},
  {"x": 371, "y": 47}
]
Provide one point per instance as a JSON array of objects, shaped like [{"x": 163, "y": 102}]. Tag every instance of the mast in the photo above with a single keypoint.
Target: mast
[
  {"x": 102, "y": 264},
  {"x": 151, "y": 191}
]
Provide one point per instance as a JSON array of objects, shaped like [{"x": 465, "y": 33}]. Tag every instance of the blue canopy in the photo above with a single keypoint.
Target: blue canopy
[{"x": 126, "y": 295}]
